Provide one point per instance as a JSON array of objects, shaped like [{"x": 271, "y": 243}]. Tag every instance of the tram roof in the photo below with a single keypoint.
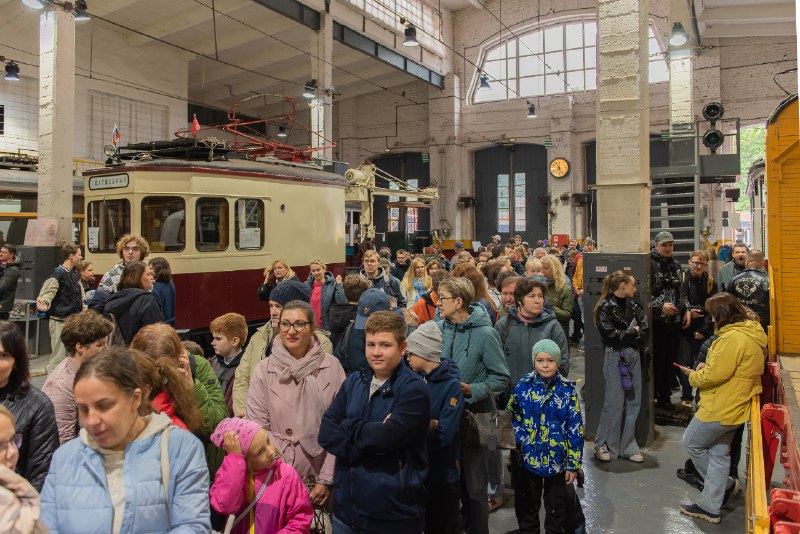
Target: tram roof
[
  {"x": 232, "y": 167},
  {"x": 783, "y": 105}
]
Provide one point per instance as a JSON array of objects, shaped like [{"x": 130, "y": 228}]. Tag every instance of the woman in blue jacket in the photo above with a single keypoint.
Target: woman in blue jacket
[
  {"x": 325, "y": 292},
  {"x": 114, "y": 477},
  {"x": 469, "y": 339}
]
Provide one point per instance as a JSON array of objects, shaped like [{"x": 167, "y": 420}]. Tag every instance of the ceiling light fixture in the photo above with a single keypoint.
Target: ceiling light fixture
[
  {"x": 310, "y": 89},
  {"x": 35, "y": 4},
  {"x": 531, "y": 111},
  {"x": 679, "y": 36},
  {"x": 80, "y": 10},
  {"x": 12, "y": 71},
  {"x": 484, "y": 82},
  {"x": 282, "y": 131},
  {"x": 411, "y": 36}
]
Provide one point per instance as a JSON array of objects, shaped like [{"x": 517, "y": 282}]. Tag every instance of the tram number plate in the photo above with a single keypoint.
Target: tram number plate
[{"x": 114, "y": 181}]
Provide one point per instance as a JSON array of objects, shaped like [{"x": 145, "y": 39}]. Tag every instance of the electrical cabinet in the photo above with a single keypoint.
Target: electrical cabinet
[{"x": 596, "y": 266}]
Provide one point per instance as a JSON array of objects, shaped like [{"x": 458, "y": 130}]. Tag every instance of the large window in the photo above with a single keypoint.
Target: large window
[
  {"x": 249, "y": 224},
  {"x": 520, "y": 217},
  {"x": 412, "y": 214},
  {"x": 164, "y": 223},
  {"x": 503, "y": 204},
  {"x": 554, "y": 60},
  {"x": 107, "y": 221},
  {"x": 417, "y": 12},
  {"x": 511, "y": 201},
  {"x": 212, "y": 224}
]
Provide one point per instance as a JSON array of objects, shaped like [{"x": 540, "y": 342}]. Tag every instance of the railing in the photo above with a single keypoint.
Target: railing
[
  {"x": 80, "y": 165},
  {"x": 757, "y": 514}
]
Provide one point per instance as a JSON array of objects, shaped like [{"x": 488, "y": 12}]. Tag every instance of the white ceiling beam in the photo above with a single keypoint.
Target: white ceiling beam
[
  {"x": 111, "y": 7},
  {"x": 188, "y": 19},
  {"x": 751, "y": 13},
  {"x": 240, "y": 40},
  {"x": 216, "y": 72},
  {"x": 748, "y": 30}
]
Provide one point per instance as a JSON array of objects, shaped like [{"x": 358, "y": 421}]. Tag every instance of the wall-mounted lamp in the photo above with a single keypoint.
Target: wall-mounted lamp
[
  {"x": 411, "y": 36},
  {"x": 679, "y": 36},
  {"x": 531, "y": 110},
  {"x": 310, "y": 89}
]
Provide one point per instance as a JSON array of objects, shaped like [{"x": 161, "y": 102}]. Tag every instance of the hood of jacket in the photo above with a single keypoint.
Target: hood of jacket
[
  {"x": 340, "y": 315},
  {"x": 447, "y": 370},
  {"x": 545, "y": 317},
  {"x": 329, "y": 279},
  {"x": 477, "y": 318},
  {"x": 16, "y": 262},
  {"x": 751, "y": 329},
  {"x": 380, "y": 273},
  {"x": 122, "y": 300},
  {"x": 156, "y": 422}
]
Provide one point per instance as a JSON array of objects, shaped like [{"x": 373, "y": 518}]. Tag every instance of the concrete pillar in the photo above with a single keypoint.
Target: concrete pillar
[
  {"x": 56, "y": 118},
  {"x": 322, "y": 71},
  {"x": 562, "y": 216},
  {"x": 681, "y": 117},
  {"x": 623, "y": 140},
  {"x": 449, "y": 162}
]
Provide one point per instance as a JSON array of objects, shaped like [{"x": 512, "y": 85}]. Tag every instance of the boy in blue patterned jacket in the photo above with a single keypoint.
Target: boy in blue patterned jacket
[{"x": 549, "y": 431}]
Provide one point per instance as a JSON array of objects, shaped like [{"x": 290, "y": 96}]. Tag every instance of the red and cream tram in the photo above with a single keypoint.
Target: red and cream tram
[{"x": 219, "y": 224}]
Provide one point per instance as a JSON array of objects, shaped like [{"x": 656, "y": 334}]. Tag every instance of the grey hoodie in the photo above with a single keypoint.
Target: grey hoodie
[{"x": 518, "y": 339}]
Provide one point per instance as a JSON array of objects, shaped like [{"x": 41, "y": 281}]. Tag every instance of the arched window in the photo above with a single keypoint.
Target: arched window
[{"x": 553, "y": 60}]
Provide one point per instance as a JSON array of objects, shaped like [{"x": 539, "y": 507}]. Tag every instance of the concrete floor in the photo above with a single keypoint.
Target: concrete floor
[{"x": 621, "y": 497}]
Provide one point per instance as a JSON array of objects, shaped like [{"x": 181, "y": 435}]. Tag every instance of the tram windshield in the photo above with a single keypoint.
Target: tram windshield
[{"x": 106, "y": 221}]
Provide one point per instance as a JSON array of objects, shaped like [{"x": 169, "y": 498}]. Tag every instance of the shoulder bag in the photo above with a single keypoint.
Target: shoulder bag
[{"x": 491, "y": 430}]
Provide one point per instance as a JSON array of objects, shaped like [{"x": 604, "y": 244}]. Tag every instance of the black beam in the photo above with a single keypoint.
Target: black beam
[{"x": 294, "y": 10}]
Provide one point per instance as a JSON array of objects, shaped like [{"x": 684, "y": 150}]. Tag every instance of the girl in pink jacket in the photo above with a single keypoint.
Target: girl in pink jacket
[{"x": 253, "y": 471}]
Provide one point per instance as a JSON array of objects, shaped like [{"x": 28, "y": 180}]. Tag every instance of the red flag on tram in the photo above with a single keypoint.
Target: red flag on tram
[{"x": 195, "y": 126}]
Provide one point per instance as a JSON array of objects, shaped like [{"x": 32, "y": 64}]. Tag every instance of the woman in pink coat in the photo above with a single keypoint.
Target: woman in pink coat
[
  {"x": 289, "y": 393},
  {"x": 253, "y": 471}
]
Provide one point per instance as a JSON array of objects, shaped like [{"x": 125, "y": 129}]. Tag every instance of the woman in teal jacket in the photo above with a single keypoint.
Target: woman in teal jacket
[
  {"x": 110, "y": 478},
  {"x": 469, "y": 339}
]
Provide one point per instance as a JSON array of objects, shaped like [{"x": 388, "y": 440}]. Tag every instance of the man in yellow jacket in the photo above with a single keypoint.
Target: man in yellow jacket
[{"x": 727, "y": 383}]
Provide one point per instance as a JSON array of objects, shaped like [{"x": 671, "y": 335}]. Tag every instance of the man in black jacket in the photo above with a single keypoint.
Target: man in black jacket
[
  {"x": 668, "y": 305},
  {"x": 751, "y": 288},
  {"x": 9, "y": 278}
]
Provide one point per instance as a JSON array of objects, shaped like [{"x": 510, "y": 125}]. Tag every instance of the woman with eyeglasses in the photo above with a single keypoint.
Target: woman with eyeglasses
[
  {"x": 33, "y": 411},
  {"x": 469, "y": 339},
  {"x": 699, "y": 286},
  {"x": 289, "y": 392},
  {"x": 19, "y": 501}
]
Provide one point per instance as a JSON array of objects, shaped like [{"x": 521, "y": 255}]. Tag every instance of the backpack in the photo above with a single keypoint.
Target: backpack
[{"x": 115, "y": 338}]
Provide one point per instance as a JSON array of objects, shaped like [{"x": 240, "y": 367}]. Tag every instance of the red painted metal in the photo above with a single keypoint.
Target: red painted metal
[
  {"x": 202, "y": 297},
  {"x": 249, "y": 141}
]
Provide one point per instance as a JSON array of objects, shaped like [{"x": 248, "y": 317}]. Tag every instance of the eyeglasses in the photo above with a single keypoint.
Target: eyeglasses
[
  {"x": 298, "y": 326},
  {"x": 697, "y": 263},
  {"x": 132, "y": 249},
  {"x": 16, "y": 440}
]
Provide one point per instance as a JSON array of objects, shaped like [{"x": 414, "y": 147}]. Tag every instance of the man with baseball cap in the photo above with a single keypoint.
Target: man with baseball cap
[
  {"x": 351, "y": 349},
  {"x": 447, "y": 406},
  {"x": 458, "y": 248},
  {"x": 668, "y": 305}
]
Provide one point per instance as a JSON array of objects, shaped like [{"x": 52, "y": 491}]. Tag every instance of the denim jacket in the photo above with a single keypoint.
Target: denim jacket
[{"x": 547, "y": 424}]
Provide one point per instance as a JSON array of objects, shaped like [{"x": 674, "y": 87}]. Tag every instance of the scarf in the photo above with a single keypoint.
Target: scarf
[
  {"x": 309, "y": 404},
  {"x": 524, "y": 319}
]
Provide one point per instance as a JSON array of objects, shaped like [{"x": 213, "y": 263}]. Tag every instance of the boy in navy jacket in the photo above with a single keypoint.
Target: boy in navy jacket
[
  {"x": 377, "y": 427},
  {"x": 447, "y": 407}
]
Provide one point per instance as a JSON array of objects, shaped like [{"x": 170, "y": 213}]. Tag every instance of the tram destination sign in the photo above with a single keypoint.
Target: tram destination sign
[{"x": 112, "y": 181}]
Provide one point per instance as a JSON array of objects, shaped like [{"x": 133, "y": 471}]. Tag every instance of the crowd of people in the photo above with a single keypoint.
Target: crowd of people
[{"x": 378, "y": 402}]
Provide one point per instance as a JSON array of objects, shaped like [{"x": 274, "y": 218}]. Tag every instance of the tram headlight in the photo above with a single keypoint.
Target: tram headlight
[{"x": 110, "y": 150}]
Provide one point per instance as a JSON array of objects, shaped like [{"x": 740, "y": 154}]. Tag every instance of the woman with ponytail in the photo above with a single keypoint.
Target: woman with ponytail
[
  {"x": 168, "y": 390},
  {"x": 623, "y": 326}
]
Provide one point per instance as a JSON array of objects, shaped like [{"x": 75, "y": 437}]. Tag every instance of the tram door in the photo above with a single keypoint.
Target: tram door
[{"x": 596, "y": 266}]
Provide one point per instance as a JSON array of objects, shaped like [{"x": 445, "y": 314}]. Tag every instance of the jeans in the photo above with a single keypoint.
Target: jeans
[
  {"x": 666, "y": 344},
  {"x": 339, "y": 527},
  {"x": 496, "y": 468},
  {"x": 475, "y": 471},
  {"x": 617, "y": 424},
  {"x": 689, "y": 350},
  {"x": 58, "y": 352},
  {"x": 708, "y": 445}
]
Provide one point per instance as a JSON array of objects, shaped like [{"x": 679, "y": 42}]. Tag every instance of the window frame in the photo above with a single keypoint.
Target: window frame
[
  {"x": 223, "y": 226},
  {"x": 261, "y": 223},
  {"x": 144, "y": 229},
  {"x": 125, "y": 229}
]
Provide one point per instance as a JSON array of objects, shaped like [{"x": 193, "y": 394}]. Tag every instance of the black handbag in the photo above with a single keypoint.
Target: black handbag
[{"x": 491, "y": 430}]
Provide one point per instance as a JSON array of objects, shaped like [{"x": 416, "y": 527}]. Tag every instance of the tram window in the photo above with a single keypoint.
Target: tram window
[
  {"x": 106, "y": 221},
  {"x": 212, "y": 224},
  {"x": 249, "y": 227},
  {"x": 164, "y": 223}
]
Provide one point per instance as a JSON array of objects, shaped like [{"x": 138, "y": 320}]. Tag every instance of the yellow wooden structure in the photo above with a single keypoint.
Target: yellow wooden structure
[{"x": 783, "y": 223}]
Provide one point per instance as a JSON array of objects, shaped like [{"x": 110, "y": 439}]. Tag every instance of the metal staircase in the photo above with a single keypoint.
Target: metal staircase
[{"x": 674, "y": 207}]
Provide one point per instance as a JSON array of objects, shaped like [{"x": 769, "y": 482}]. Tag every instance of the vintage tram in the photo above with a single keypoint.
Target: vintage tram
[{"x": 219, "y": 223}]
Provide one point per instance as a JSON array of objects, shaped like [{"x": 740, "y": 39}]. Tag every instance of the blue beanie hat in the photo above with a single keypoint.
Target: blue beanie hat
[
  {"x": 549, "y": 346},
  {"x": 290, "y": 290}
]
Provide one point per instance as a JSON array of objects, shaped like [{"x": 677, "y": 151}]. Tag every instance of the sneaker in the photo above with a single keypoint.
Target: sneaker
[
  {"x": 731, "y": 492},
  {"x": 692, "y": 510},
  {"x": 690, "y": 478},
  {"x": 638, "y": 458},
  {"x": 686, "y": 403},
  {"x": 602, "y": 453},
  {"x": 495, "y": 503}
]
